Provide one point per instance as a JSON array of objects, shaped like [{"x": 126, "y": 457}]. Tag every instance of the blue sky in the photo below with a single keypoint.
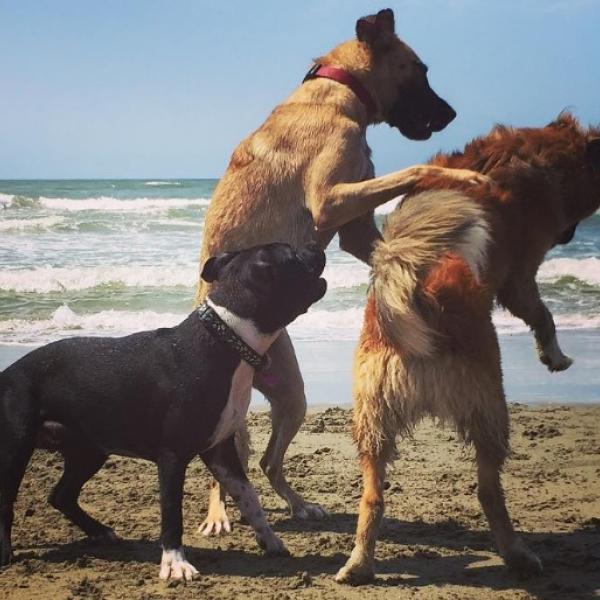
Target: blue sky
[{"x": 168, "y": 88}]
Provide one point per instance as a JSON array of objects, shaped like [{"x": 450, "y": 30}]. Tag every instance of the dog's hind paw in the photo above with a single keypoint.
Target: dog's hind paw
[
  {"x": 174, "y": 565},
  {"x": 355, "y": 574},
  {"x": 522, "y": 561},
  {"x": 216, "y": 522},
  {"x": 272, "y": 545},
  {"x": 307, "y": 511}
]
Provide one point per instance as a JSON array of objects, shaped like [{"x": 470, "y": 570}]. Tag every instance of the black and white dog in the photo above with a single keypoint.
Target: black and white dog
[{"x": 165, "y": 395}]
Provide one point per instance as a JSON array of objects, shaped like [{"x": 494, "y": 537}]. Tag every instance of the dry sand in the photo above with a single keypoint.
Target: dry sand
[{"x": 434, "y": 542}]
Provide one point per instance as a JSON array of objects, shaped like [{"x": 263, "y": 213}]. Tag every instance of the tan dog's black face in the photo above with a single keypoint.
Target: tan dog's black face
[{"x": 400, "y": 76}]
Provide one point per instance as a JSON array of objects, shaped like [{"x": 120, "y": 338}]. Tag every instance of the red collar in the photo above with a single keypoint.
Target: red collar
[{"x": 345, "y": 78}]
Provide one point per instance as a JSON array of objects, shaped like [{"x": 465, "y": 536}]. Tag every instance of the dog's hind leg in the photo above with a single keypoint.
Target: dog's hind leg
[
  {"x": 17, "y": 441},
  {"x": 217, "y": 520},
  {"x": 225, "y": 465},
  {"x": 284, "y": 389},
  {"x": 488, "y": 431},
  {"x": 359, "y": 568},
  {"x": 82, "y": 462}
]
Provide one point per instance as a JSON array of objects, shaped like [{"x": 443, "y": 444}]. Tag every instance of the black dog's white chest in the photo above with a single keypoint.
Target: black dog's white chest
[{"x": 234, "y": 413}]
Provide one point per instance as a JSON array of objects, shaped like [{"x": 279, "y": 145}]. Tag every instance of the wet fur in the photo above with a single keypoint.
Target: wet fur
[
  {"x": 306, "y": 174},
  {"x": 428, "y": 345}
]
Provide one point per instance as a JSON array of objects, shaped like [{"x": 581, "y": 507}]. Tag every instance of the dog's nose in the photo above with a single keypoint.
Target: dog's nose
[
  {"x": 313, "y": 257},
  {"x": 443, "y": 115}
]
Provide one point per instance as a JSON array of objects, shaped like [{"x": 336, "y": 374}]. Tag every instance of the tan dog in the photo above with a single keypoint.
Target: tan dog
[
  {"x": 306, "y": 174},
  {"x": 428, "y": 345}
]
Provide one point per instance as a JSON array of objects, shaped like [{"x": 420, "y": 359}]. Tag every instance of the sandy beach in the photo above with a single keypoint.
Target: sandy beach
[{"x": 434, "y": 542}]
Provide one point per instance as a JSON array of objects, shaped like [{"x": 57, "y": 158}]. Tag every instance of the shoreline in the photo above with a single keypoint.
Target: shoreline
[{"x": 327, "y": 370}]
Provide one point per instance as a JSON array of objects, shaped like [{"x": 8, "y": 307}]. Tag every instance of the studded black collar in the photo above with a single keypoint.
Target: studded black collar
[{"x": 219, "y": 329}]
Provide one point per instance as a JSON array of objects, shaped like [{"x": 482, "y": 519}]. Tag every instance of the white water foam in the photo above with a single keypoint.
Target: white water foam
[
  {"x": 346, "y": 275},
  {"x": 43, "y": 280},
  {"x": 158, "y": 183},
  {"x": 584, "y": 269},
  {"x": 34, "y": 224},
  {"x": 64, "y": 322},
  {"x": 108, "y": 203},
  {"x": 6, "y": 200},
  {"x": 316, "y": 325}
]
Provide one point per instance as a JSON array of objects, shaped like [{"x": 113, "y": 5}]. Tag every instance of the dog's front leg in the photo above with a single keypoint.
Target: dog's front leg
[
  {"x": 224, "y": 463},
  {"x": 359, "y": 236},
  {"x": 521, "y": 297},
  {"x": 171, "y": 476},
  {"x": 334, "y": 204}
]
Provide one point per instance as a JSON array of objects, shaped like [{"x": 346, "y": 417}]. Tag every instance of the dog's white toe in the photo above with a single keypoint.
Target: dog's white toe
[{"x": 174, "y": 565}]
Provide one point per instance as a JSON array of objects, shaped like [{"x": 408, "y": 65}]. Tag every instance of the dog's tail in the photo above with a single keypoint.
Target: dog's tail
[{"x": 424, "y": 229}]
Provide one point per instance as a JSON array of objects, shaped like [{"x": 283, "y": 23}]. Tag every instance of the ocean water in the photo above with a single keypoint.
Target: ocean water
[{"x": 109, "y": 257}]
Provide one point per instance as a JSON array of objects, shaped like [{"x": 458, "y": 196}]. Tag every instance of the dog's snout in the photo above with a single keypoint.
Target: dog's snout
[
  {"x": 443, "y": 115},
  {"x": 313, "y": 257}
]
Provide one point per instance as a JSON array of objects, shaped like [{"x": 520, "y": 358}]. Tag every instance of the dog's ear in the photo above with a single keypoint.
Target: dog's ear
[
  {"x": 592, "y": 153},
  {"x": 376, "y": 30},
  {"x": 213, "y": 266}
]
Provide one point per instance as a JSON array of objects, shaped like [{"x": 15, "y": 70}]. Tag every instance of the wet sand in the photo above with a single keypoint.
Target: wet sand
[{"x": 434, "y": 542}]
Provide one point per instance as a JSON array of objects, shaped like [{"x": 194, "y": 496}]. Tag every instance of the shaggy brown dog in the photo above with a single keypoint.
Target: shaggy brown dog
[
  {"x": 306, "y": 174},
  {"x": 428, "y": 345}
]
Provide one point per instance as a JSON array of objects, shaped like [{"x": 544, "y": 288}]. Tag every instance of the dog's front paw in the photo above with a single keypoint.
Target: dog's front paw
[
  {"x": 522, "y": 561},
  {"x": 552, "y": 356},
  {"x": 307, "y": 510},
  {"x": 216, "y": 521},
  {"x": 555, "y": 365},
  {"x": 107, "y": 535},
  {"x": 473, "y": 177},
  {"x": 271, "y": 544},
  {"x": 174, "y": 565},
  {"x": 5, "y": 555},
  {"x": 355, "y": 573}
]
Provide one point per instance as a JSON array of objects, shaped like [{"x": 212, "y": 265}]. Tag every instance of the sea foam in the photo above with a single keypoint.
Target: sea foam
[
  {"x": 584, "y": 269},
  {"x": 109, "y": 203},
  {"x": 42, "y": 280}
]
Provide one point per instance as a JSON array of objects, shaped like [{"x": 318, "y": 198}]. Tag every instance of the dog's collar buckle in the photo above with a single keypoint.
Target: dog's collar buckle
[
  {"x": 344, "y": 77},
  {"x": 219, "y": 329}
]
